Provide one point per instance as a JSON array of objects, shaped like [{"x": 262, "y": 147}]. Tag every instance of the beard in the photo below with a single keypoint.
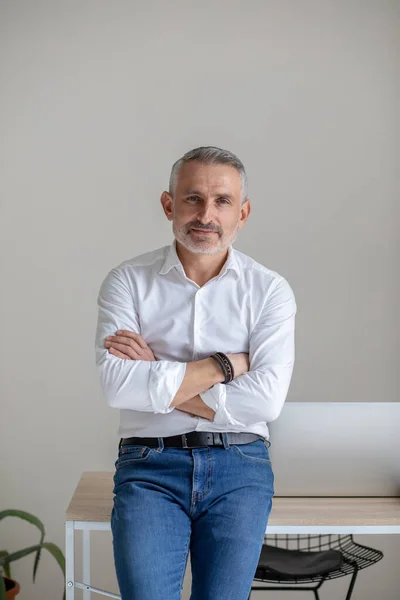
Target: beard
[{"x": 209, "y": 244}]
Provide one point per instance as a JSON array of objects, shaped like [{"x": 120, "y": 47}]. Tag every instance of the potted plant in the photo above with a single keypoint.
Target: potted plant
[{"x": 8, "y": 587}]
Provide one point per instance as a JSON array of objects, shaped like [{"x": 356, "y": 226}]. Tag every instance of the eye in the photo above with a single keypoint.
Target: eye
[{"x": 219, "y": 199}]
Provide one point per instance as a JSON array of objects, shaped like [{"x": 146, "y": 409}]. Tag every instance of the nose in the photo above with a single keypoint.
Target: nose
[{"x": 205, "y": 214}]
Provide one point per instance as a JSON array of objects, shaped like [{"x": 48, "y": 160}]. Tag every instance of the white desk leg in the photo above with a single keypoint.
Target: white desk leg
[
  {"x": 86, "y": 562},
  {"x": 69, "y": 560}
]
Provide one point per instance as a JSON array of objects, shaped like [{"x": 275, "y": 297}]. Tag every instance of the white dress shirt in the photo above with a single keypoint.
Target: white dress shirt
[{"x": 245, "y": 308}]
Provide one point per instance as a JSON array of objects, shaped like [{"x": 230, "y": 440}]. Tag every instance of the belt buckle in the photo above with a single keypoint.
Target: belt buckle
[
  {"x": 184, "y": 439},
  {"x": 217, "y": 438}
]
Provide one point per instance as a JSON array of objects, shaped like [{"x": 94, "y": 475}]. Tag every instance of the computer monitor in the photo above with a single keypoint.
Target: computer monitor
[{"x": 336, "y": 449}]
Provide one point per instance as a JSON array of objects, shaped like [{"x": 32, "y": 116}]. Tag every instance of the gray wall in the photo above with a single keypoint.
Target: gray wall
[{"x": 98, "y": 99}]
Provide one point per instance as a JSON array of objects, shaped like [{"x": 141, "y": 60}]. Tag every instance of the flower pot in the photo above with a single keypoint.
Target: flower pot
[{"x": 12, "y": 588}]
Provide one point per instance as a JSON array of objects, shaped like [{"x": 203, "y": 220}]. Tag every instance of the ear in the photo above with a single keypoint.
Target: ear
[
  {"x": 245, "y": 211},
  {"x": 166, "y": 202}
]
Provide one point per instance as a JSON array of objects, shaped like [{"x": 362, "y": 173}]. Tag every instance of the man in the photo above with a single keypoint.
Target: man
[{"x": 195, "y": 346}]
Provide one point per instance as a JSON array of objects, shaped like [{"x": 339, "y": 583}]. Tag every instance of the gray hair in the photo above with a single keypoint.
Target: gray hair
[{"x": 209, "y": 155}]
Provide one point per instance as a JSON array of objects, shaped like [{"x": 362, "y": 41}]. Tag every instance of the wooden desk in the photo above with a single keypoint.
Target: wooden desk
[{"x": 91, "y": 504}]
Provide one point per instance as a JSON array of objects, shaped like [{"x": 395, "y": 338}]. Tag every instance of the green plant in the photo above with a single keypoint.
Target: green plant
[{"x": 6, "y": 558}]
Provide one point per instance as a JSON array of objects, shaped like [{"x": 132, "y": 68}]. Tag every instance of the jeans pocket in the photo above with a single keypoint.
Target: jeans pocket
[
  {"x": 253, "y": 451},
  {"x": 128, "y": 455}
]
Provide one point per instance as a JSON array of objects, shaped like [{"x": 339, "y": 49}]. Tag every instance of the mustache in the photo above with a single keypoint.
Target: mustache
[{"x": 201, "y": 227}]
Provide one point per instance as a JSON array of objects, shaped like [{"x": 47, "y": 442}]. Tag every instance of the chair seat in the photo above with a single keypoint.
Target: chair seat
[{"x": 297, "y": 563}]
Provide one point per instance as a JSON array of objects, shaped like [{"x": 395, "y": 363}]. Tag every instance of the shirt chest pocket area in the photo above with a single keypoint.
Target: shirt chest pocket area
[{"x": 129, "y": 455}]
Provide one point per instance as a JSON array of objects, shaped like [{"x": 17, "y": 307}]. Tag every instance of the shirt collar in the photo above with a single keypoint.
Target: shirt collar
[{"x": 172, "y": 260}]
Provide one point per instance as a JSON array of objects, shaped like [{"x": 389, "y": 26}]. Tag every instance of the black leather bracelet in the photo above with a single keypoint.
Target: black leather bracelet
[{"x": 226, "y": 366}]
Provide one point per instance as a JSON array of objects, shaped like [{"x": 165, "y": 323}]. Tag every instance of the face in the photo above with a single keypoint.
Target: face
[{"x": 206, "y": 197}]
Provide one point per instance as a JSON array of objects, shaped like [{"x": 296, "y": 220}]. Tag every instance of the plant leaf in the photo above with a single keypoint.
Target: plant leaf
[
  {"x": 6, "y": 558},
  {"x": 23, "y": 515},
  {"x": 19, "y": 554},
  {"x": 2, "y": 588},
  {"x": 7, "y": 567},
  {"x": 57, "y": 553},
  {"x": 49, "y": 546},
  {"x": 26, "y": 516}
]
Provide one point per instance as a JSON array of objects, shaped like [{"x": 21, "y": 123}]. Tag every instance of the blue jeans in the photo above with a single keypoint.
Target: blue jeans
[{"x": 214, "y": 501}]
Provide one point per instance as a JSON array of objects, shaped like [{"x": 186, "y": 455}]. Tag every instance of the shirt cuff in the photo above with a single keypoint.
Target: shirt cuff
[
  {"x": 165, "y": 379},
  {"x": 215, "y": 398}
]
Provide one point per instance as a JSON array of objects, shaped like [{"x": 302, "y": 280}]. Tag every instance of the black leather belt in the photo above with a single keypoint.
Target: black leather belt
[{"x": 193, "y": 439}]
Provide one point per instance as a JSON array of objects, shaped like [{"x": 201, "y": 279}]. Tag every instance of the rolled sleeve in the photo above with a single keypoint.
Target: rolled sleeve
[
  {"x": 164, "y": 381},
  {"x": 215, "y": 398}
]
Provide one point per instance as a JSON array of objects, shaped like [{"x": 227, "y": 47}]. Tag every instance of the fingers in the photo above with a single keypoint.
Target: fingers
[
  {"x": 148, "y": 354},
  {"x": 133, "y": 342},
  {"x": 128, "y": 350},
  {"x": 119, "y": 354},
  {"x": 124, "y": 344},
  {"x": 134, "y": 336},
  {"x": 130, "y": 343},
  {"x": 122, "y": 339}
]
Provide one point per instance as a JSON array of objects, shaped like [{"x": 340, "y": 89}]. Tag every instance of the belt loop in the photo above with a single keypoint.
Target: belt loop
[
  {"x": 225, "y": 441},
  {"x": 160, "y": 444},
  {"x": 120, "y": 443}
]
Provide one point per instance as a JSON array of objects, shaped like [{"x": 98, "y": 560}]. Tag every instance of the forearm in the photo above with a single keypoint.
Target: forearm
[{"x": 199, "y": 376}]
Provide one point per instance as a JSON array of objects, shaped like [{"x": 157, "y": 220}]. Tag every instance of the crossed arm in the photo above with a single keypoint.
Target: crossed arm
[
  {"x": 129, "y": 345},
  {"x": 264, "y": 383}
]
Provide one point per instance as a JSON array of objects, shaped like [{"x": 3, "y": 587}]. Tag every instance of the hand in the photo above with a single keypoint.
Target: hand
[
  {"x": 129, "y": 345},
  {"x": 196, "y": 407},
  {"x": 240, "y": 363}
]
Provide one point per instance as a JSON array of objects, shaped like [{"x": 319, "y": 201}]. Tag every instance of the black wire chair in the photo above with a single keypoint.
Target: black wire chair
[{"x": 304, "y": 559}]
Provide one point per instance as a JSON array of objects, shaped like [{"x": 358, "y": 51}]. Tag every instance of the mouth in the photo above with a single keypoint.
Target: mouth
[{"x": 203, "y": 231}]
